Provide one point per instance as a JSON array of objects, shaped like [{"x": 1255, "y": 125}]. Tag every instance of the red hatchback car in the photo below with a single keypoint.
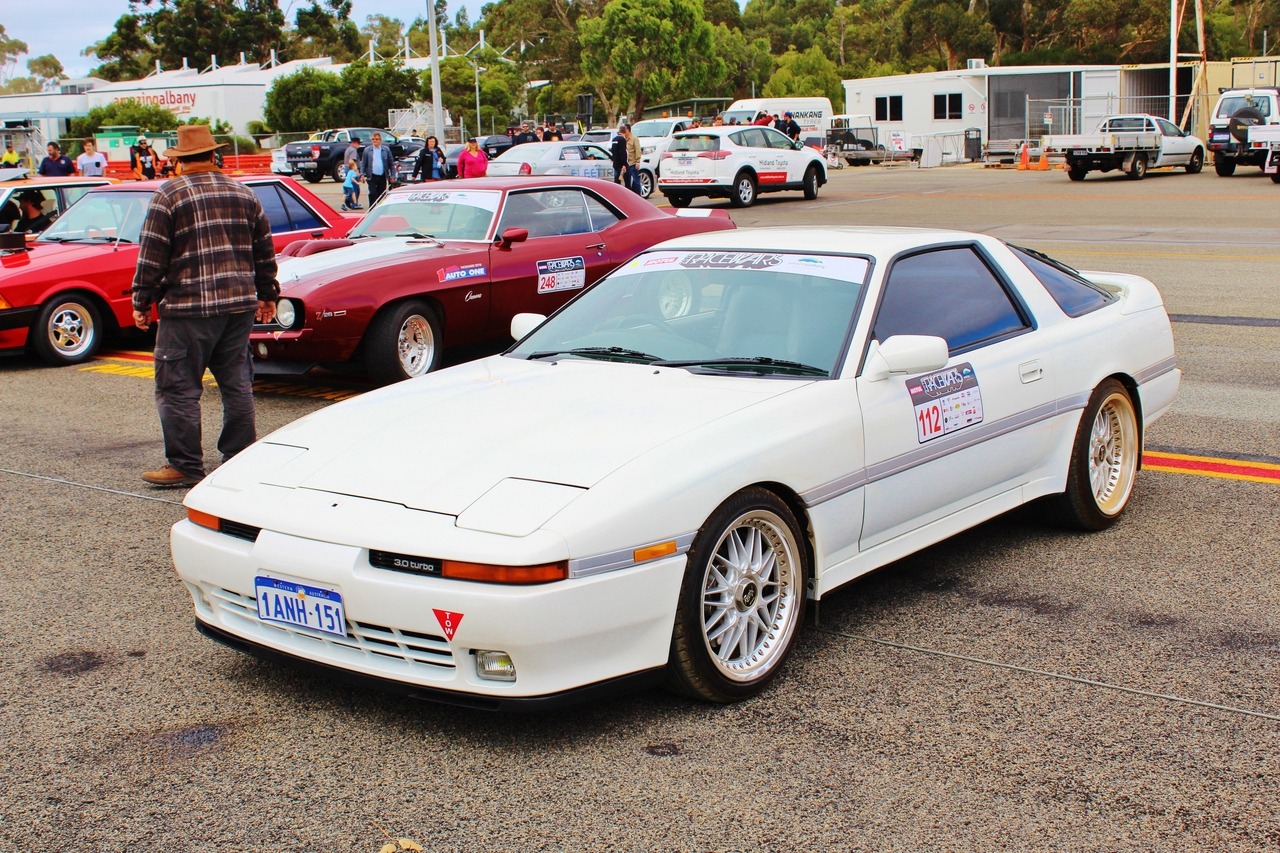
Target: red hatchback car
[
  {"x": 63, "y": 293},
  {"x": 451, "y": 263}
]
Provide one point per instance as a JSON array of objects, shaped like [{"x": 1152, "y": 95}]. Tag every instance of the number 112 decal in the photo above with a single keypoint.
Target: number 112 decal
[{"x": 945, "y": 401}]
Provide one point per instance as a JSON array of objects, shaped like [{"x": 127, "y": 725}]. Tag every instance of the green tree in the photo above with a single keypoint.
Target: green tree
[
  {"x": 307, "y": 99},
  {"x": 325, "y": 28},
  {"x": 945, "y": 31},
  {"x": 368, "y": 91},
  {"x": 386, "y": 34},
  {"x": 748, "y": 63},
  {"x": 787, "y": 23},
  {"x": 644, "y": 51},
  {"x": 808, "y": 74},
  {"x": 146, "y": 116},
  {"x": 10, "y": 49}
]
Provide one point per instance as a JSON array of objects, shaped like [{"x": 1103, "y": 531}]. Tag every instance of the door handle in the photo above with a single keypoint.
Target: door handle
[
  {"x": 596, "y": 246},
  {"x": 1030, "y": 371}
]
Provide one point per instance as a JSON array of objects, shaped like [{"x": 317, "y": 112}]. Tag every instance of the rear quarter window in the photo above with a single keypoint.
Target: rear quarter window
[{"x": 1075, "y": 295}]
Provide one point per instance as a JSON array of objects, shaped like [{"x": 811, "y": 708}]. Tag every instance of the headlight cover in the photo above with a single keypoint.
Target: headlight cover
[{"x": 286, "y": 313}]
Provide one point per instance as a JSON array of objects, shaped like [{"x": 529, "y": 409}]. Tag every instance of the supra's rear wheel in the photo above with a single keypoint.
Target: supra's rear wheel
[
  {"x": 742, "y": 600},
  {"x": 1224, "y": 167},
  {"x": 1196, "y": 163},
  {"x": 402, "y": 342},
  {"x": 744, "y": 190},
  {"x": 811, "y": 183},
  {"x": 1138, "y": 170},
  {"x": 1104, "y": 460},
  {"x": 68, "y": 330}
]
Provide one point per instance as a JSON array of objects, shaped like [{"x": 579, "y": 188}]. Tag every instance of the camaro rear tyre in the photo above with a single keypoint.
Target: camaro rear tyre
[
  {"x": 744, "y": 190},
  {"x": 742, "y": 600},
  {"x": 68, "y": 329},
  {"x": 1104, "y": 460},
  {"x": 402, "y": 342},
  {"x": 811, "y": 183}
]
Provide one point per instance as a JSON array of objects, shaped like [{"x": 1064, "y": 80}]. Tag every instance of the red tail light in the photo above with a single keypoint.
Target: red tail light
[
  {"x": 666, "y": 155},
  {"x": 526, "y": 169},
  {"x": 714, "y": 155},
  {"x": 315, "y": 152}
]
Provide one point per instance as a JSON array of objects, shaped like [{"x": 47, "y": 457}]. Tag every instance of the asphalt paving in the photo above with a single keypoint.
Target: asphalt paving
[{"x": 1018, "y": 687}]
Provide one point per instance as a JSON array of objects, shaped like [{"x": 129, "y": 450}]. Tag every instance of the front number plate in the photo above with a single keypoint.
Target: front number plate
[{"x": 300, "y": 605}]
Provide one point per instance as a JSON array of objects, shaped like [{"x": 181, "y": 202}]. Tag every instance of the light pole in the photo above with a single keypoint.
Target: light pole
[{"x": 476, "y": 66}]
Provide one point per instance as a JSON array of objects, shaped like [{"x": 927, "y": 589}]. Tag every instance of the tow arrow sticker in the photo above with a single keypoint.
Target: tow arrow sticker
[{"x": 449, "y": 622}]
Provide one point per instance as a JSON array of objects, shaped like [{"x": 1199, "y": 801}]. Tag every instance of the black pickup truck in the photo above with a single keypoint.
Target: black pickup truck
[{"x": 321, "y": 156}]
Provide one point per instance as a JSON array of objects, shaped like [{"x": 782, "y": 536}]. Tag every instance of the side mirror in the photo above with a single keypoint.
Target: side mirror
[
  {"x": 523, "y": 324},
  {"x": 905, "y": 354},
  {"x": 512, "y": 235}
]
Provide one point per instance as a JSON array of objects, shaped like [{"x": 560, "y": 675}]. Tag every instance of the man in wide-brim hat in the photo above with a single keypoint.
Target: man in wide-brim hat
[{"x": 207, "y": 263}]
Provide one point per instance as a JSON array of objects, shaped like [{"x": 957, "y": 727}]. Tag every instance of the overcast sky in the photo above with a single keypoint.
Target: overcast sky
[{"x": 66, "y": 27}]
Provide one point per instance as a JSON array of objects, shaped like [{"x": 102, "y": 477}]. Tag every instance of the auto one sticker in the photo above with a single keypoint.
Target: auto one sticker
[
  {"x": 562, "y": 274},
  {"x": 945, "y": 401},
  {"x": 456, "y": 273}
]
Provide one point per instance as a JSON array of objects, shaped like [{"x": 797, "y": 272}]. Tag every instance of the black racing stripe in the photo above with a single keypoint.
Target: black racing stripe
[
  {"x": 1214, "y": 454},
  {"x": 1266, "y": 322}
]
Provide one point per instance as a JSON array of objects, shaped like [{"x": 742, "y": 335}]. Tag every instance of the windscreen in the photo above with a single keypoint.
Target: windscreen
[
  {"x": 101, "y": 217},
  {"x": 443, "y": 214}
]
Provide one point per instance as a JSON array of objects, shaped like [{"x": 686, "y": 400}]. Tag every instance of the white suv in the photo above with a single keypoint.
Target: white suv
[
  {"x": 738, "y": 163},
  {"x": 1236, "y": 112}
]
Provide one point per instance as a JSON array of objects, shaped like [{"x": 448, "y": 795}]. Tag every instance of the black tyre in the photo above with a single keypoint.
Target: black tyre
[
  {"x": 1077, "y": 173},
  {"x": 403, "y": 341},
  {"x": 1275, "y": 179},
  {"x": 811, "y": 183},
  {"x": 679, "y": 199},
  {"x": 1138, "y": 170},
  {"x": 646, "y": 183},
  {"x": 742, "y": 600},
  {"x": 1224, "y": 167},
  {"x": 1196, "y": 163},
  {"x": 1104, "y": 460},
  {"x": 1238, "y": 125},
  {"x": 339, "y": 171},
  {"x": 68, "y": 329},
  {"x": 313, "y": 176},
  {"x": 744, "y": 190}
]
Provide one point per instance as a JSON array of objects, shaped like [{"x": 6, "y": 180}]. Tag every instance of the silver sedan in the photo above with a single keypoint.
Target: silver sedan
[{"x": 554, "y": 158}]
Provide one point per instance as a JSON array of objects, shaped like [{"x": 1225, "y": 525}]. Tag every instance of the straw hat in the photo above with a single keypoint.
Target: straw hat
[{"x": 193, "y": 139}]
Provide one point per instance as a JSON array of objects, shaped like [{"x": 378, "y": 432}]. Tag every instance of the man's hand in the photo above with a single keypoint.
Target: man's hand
[
  {"x": 142, "y": 319},
  {"x": 266, "y": 311}
]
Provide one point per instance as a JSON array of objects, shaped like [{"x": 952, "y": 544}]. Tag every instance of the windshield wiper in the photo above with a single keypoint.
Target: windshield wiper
[
  {"x": 418, "y": 236},
  {"x": 598, "y": 352},
  {"x": 758, "y": 364}
]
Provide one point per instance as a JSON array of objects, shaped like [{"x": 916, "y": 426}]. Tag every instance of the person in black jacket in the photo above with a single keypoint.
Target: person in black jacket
[
  {"x": 430, "y": 163},
  {"x": 618, "y": 153}
]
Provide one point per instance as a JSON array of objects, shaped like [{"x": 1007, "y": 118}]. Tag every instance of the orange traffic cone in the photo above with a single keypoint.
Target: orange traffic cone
[
  {"x": 1043, "y": 164},
  {"x": 1024, "y": 162}
]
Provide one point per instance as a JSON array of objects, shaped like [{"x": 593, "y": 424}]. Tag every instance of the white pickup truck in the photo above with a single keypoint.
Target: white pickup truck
[
  {"x": 1131, "y": 143},
  {"x": 1267, "y": 136}
]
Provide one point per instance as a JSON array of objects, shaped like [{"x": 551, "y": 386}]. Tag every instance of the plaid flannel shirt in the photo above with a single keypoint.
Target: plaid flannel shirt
[{"x": 205, "y": 249}]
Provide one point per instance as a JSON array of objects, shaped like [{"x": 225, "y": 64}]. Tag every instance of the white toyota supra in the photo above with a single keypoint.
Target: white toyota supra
[{"x": 651, "y": 484}]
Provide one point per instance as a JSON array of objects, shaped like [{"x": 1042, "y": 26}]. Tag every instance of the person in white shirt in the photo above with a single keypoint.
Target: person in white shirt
[{"x": 92, "y": 163}]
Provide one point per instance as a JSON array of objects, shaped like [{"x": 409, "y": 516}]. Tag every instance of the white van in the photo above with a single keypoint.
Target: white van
[{"x": 812, "y": 114}]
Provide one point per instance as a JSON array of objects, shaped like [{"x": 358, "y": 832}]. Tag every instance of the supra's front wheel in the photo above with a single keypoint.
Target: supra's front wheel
[
  {"x": 1104, "y": 460},
  {"x": 742, "y": 600}
]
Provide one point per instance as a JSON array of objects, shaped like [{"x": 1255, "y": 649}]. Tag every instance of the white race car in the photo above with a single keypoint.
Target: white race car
[
  {"x": 650, "y": 484},
  {"x": 738, "y": 163}
]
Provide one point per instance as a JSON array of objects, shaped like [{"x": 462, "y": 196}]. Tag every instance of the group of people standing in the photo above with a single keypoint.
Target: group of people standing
[{"x": 626, "y": 154}]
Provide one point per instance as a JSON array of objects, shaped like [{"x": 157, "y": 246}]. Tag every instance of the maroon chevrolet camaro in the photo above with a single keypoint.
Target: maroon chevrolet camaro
[
  {"x": 62, "y": 294},
  {"x": 449, "y": 264}
]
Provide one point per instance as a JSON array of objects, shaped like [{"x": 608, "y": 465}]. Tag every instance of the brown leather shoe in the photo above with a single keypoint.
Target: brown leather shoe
[{"x": 167, "y": 475}]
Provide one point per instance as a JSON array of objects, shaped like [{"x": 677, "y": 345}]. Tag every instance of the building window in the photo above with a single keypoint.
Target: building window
[
  {"x": 947, "y": 106},
  {"x": 889, "y": 108}
]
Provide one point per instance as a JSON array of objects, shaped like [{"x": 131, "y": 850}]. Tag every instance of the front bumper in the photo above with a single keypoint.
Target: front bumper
[{"x": 583, "y": 633}]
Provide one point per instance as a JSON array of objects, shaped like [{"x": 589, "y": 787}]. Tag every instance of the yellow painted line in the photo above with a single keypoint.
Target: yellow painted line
[{"x": 260, "y": 385}]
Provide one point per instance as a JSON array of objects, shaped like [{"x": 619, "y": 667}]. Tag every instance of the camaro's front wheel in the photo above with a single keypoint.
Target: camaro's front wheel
[
  {"x": 742, "y": 600},
  {"x": 402, "y": 342},
  {"x": 1104, "y": 460}
]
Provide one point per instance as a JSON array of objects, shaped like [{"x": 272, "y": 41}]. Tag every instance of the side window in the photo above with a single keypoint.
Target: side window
[
  {"x": 752, "y": 138},
  {"x": 302, "y": 216},
  {"x": 949, "y": 293},
  {"x": 546, "y": 213},
  {"x": 277, "y": 215},
  {"x": 342, "y": 136},
  {"x": 1168, "y": 128},
  {"x": 1074, "y": 295},
  {"x": 602, "y": 216},
  {"x": 70, "y": 195},
  {"x": 889, "y": 108},
  {"x": 778, "y": 140}
]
